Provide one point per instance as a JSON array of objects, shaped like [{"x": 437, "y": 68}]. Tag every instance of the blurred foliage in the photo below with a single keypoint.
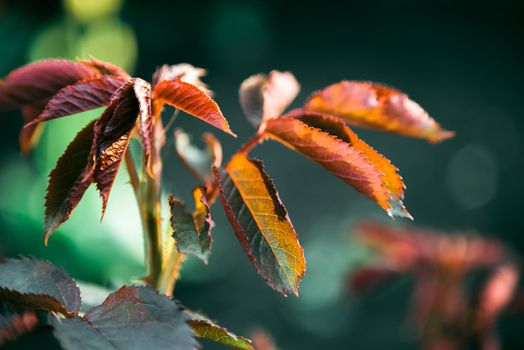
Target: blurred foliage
[{"x": 461, "y": 62}]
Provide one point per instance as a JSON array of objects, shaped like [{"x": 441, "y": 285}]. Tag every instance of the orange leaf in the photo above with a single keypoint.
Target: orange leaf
[
  {"x": 261, "y": 223},
  {"x": 263, "y": 97},
  {"x": 328, "y": 142},
  {"x": 377, "y": 107},
  {"x": 192, "y": 100}
]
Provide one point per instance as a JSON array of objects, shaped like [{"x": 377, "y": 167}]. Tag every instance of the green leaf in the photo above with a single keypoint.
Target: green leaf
[
  {"x": 192, "y": 231},
  {"x": 261, "y": 223},
  {"x": 207, "y": 329},
  {"x": 35, "y": 284},
  {"x": 130, "y": 318}
]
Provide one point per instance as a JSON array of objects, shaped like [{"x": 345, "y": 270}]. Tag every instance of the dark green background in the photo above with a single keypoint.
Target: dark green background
[{"x": 461, "y": 60}]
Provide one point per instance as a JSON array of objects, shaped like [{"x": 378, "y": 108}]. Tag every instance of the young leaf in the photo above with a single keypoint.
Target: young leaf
[
  {"x": 328, "y": 142},
  {"x": 68, "y": 181},
  {"x": 143, "y": 95},
  {"x": 105, "y": 68},
  {"x": 14, "y": 324},
  {"x": 192, "y": 231},
  {"x": 261, "y": 223},
  {"x": 207, "y": 329},
  {"x": 192, "y": 100},
  {"x": 130, "y": 318},
  {"x": 30, "y": 134},
  {"x": 40, "y": 80},
  {"x": 35, "y": 284},
  {"x": 79, "y": 97},
  {"x": 183, "y": 71},
  {"x": 377, "y": 107},
  {"x": 111, "y": 138},
  {"x": 263, "y": 97},
  {"x": 199, "y": 162}
]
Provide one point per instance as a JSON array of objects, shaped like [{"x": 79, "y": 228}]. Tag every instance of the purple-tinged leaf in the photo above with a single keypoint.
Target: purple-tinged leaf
[
  {"x": 79, "y": 97},
  {"x": 14, "y": 324},
  {"x": 68, "y": 180},
  {"x": 143, "y": 94}
]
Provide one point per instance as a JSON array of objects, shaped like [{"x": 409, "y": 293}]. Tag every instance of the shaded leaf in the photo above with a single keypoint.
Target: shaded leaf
[
  {"x": 365, "y": 279},
  {"x": 111, "y": 138},
  {"x": 40, "y": 80},
  {"x": 192, "y": 231},
  {"x": 79, "y": 97},
  {"x": 267, "y": 96},
  {"x": 130, "y": 318},
  {"x": 183, "y": 71},
  {"x": 328, "y": 142},
  {"x": 377, "y": 107},
  {"x": 35, "y": 284},
  {"x": 68, "y": 181},
  {"x": 14, "y": 324},
  {"x": 105, "y": 68},
  {"x": 143, "y": 95},
  {"x": 207, "y": 329},
  {"x": 199, "y": 162},
  {"x": 192, "y": 100},
  {"x": 30, "y": 134},
  {"x": 261, "y": 223}
]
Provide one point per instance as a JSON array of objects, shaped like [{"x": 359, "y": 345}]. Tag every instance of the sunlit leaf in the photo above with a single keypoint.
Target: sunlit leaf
[
  {"x": 183, "y": 71},
  {"x": 111, "y": 138},
  {"x": 130, "y": 318},
  {"x": 328, "y": 142},
  {"x": 40, "y": 80},
  {"x": 68, "y": 181},
  {"x": 377, "y": 107},
  {"x": 143, "y": 95},
  {"x": 192, "y": 230},
  {"x": 207, "y": 329},
  {"x": 192, "y": 100},
  {"x": 263, "y": 97},
  {"x": 105, "y": 68},
  {"x": 14, "y": 324},
  {"x": 79, "y": 97},
  {"x": 199, "y": 162},
  {"x": 35, "y": 284},
  {"x": 261, "y": 223}
]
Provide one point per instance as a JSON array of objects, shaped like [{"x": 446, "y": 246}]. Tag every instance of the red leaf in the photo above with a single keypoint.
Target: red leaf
[
  {"x": 111, "y": 138},
  {"x": 143, "y": 94},
  {"x": 105, "y": 68},
  {"x": 377, "y": 107},
  {"x": 191, "y": 100},
  {"x": 183, "y": 71},
  {"x": 330, "y": 143},
  {"x": 67, "y": 181},
  {"x": 30, "y": 134},
  {"x": 79, "y": 97},
  {"x": 39, "y": 81}
]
